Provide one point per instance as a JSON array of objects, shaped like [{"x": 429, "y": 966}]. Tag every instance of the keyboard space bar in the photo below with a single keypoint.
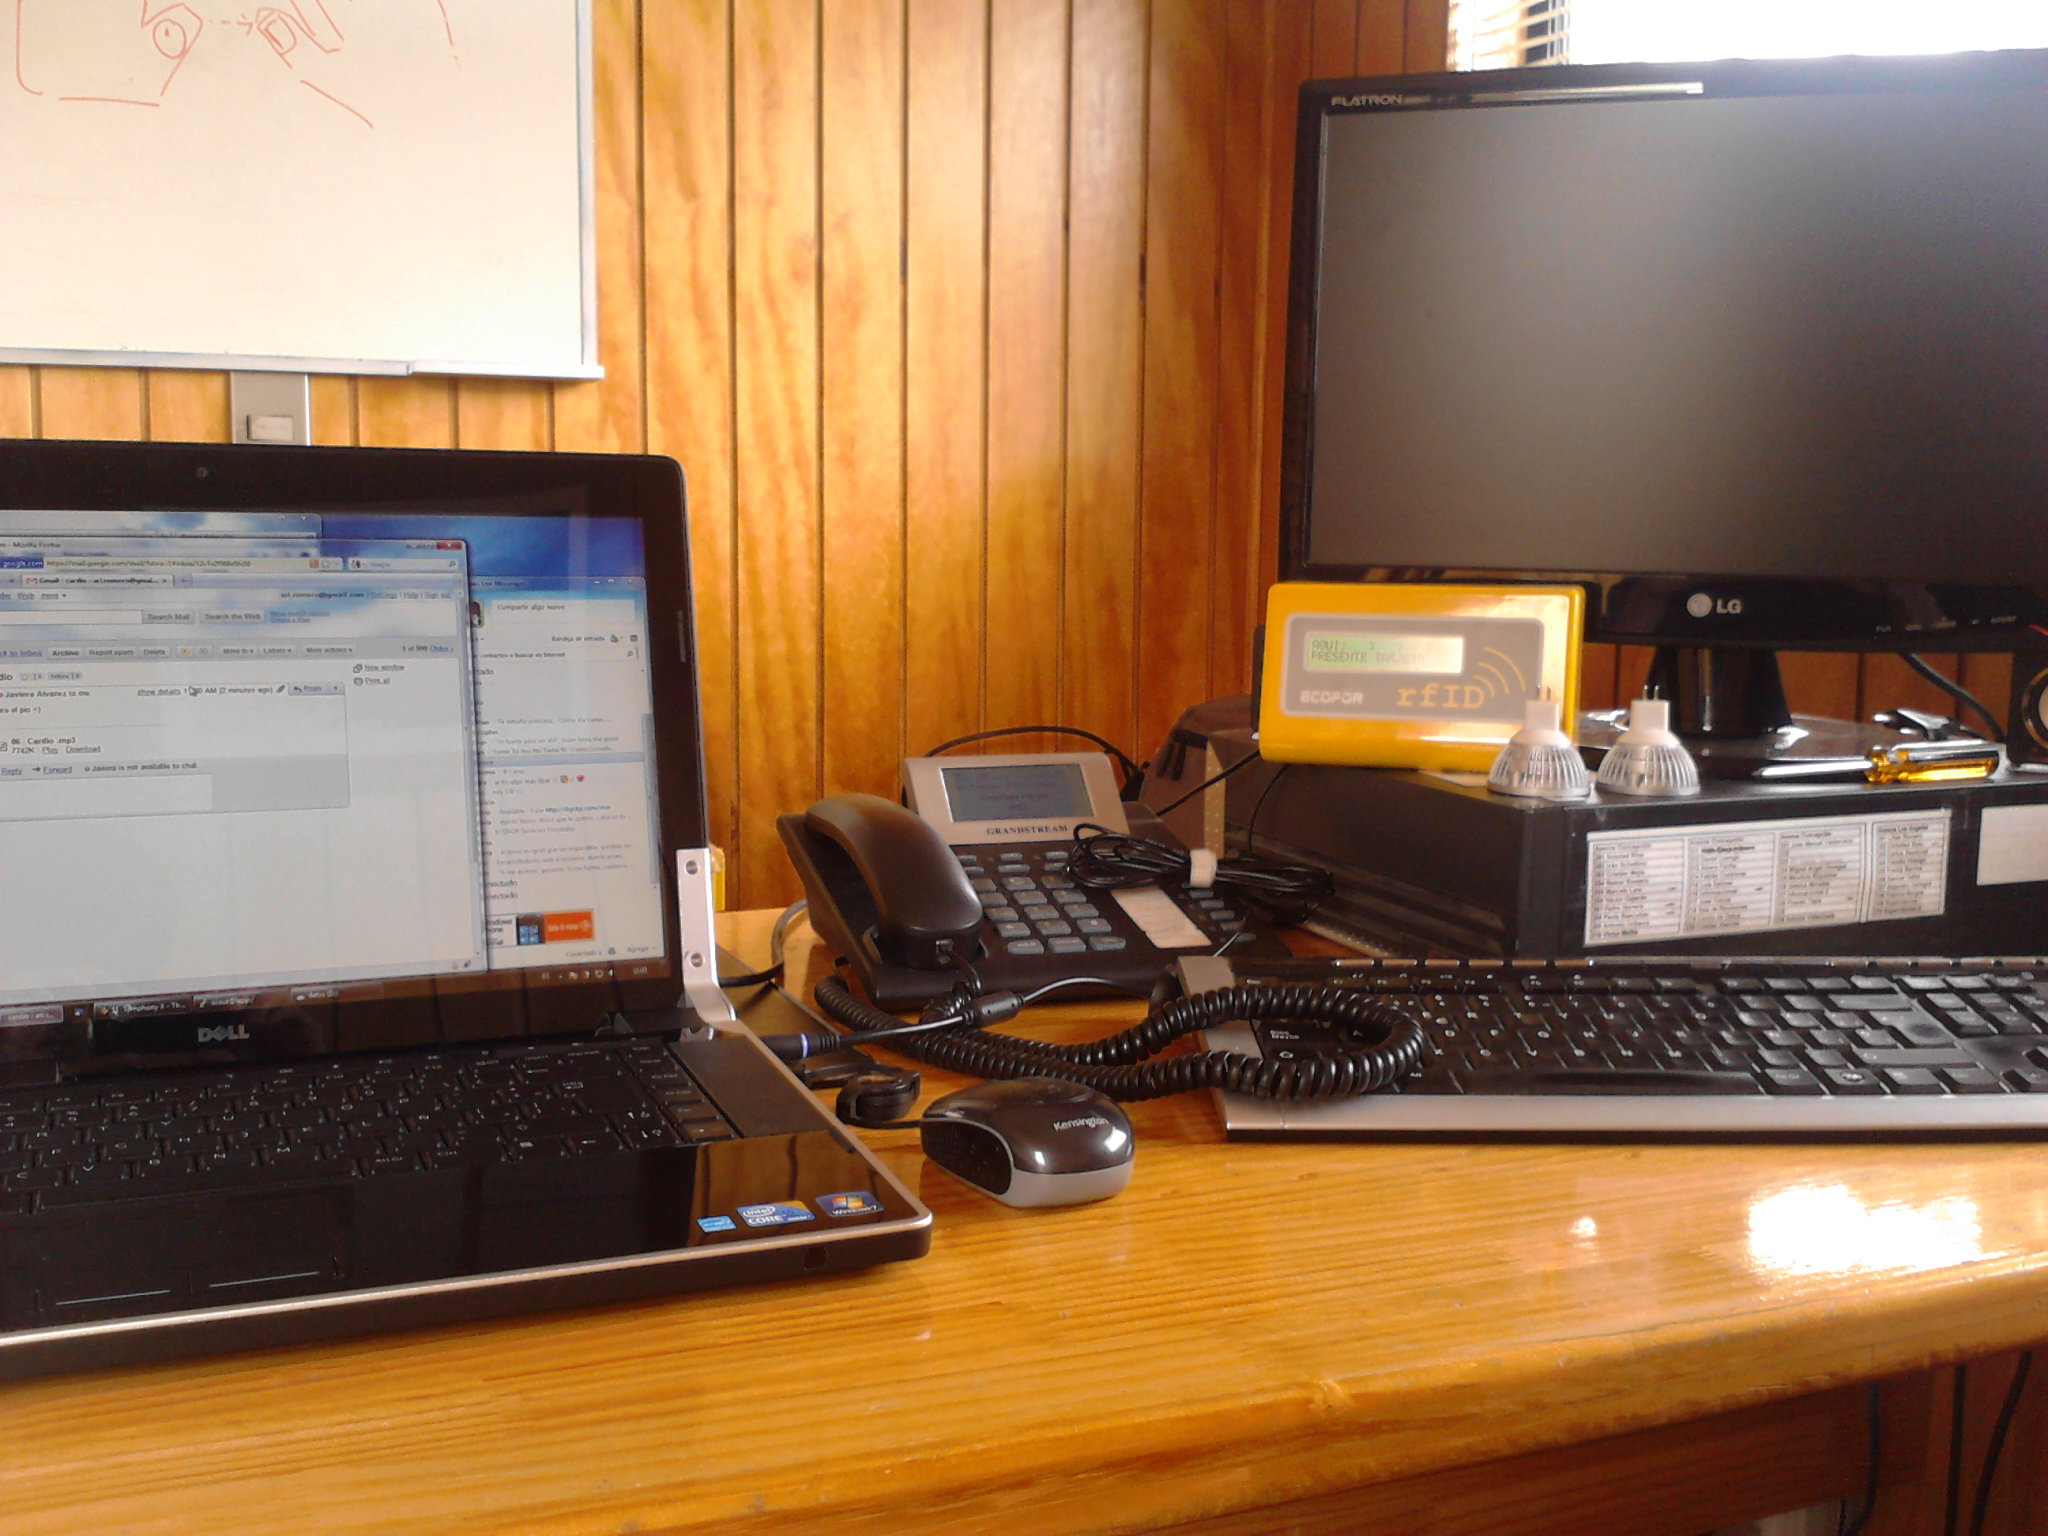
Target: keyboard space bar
[
  {"x": 215, "y": 1181},
  {"x": 1623, "y": 1080}
]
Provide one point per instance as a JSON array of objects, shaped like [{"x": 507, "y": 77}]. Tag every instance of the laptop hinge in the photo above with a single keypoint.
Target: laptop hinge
[{"x": 699, "y": 928}]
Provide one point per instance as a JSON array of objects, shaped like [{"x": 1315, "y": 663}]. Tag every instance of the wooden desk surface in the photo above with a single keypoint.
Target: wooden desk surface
[{"x": 1245, "y": 1325}]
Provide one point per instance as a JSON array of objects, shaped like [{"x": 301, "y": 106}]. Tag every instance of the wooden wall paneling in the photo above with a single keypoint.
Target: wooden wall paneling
[
  {"x": 1631, "y": 670},
  {"x": 775, "y": 375},
  {"x": 1598, "y": 686},
  {"x": 1426, "y": 35},
  {"x": 687, "y": 152},
  {"x": 1027, "y": 364},
  {"x": 1294, "y": 60},
  {"x": 1333, "y": 39},
  {"x": 515, "y": 414},
  {"x": 103, "y": 403},
  {"x": 945, "y": 362},
  {"x": 1177, "y": 458},
  {"x": 1820, "y": 683},
  {"x": 414, "y": 411},
  {"x": 1106, "y": 200},
  {"x": 17, "y": 400},
  {"x": 334, "y": 409},
  {"x": 861, "y": 141},
  {"x": 1382, "y": 36},
  {"x": 1261, "y": 46},
  {"x": 608, "y": 415},
  {"x": 187, "y": 405}
]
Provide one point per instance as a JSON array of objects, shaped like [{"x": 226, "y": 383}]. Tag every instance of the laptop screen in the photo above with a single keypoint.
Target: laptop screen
[{"x": 362, "y": 754}]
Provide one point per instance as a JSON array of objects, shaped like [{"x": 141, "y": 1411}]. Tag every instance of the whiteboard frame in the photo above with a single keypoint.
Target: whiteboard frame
[{"x": 587, "y": 368}]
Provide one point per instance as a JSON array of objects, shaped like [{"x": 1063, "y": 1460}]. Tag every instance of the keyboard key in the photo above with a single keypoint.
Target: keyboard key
[
  {"x": 1851, "y": 1080},
  {"x": 1911, "y": 1080},
  {"x": 1970, "y": 1080},
  {"x": 1916, "y": 1056},
  {"x": 1789, "y": 1080}
]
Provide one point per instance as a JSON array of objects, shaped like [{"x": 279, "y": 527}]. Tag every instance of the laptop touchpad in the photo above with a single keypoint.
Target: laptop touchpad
[{"x": 165, "y": 1255}]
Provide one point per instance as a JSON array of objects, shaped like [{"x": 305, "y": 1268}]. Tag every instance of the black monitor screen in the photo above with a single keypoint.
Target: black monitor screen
[{"x": 1781, "y": 325}]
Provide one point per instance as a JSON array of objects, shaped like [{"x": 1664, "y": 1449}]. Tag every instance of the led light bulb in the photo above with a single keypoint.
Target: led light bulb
[
  {"x": 1539, "y": 760},
  {"x": 1649, "y": 759}
]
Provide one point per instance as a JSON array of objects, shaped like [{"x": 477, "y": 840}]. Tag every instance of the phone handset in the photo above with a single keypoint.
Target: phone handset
[{"x": 889, "y": 879}]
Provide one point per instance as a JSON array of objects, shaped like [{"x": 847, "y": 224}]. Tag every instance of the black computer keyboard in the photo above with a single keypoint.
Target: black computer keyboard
[
  {"x": 1749, "y": 1045},
  {"x": 345, "y": 1117}
]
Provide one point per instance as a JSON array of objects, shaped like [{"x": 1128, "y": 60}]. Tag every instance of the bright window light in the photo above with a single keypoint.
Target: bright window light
[
  {"x": 1491, "y": 34},
  {"x": 1617, "y": 31}
]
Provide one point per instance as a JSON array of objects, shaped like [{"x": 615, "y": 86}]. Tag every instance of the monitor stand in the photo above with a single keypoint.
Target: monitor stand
[{"x": 1729, "y": 706}]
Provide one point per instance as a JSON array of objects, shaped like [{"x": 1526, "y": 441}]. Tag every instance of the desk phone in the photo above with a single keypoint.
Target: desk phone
[{"x": 973, "y": 872}]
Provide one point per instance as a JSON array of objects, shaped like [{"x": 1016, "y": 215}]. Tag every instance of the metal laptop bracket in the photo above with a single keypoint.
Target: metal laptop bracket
[{"x": 697, "y": 923}]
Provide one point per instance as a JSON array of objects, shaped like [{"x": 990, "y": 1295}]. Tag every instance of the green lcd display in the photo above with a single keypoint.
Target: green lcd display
[{"x": 1333, "y": 651}]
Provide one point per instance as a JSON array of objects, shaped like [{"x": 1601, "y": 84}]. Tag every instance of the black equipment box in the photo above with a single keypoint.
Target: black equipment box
[{"x": 1436, "y": 864}]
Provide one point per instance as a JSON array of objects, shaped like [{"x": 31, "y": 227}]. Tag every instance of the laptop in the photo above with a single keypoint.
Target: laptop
[{"x": 357, "y": 968}]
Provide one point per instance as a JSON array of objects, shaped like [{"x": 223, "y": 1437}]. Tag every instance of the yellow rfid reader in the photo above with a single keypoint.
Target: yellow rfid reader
[{"x": 1412, "y": 675}]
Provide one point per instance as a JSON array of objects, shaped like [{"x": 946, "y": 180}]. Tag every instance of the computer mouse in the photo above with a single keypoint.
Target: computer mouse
[{"x": 1031, "y": 1141}]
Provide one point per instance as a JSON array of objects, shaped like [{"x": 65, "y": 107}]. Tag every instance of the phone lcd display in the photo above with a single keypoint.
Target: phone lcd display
[{"x": 1013, "y": 792}]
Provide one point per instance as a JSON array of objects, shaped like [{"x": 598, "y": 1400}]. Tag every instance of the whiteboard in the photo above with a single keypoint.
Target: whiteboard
[{"x": 344, "y": 186}]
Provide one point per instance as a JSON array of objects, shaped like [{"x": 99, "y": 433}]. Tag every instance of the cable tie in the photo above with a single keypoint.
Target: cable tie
[{"x": 1201, "y": 869}]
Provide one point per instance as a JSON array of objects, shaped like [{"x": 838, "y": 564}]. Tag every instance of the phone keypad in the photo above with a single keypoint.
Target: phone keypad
[{"x": 1037, "y": 908}]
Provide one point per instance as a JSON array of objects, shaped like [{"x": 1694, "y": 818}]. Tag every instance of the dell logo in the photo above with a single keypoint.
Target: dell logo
[
  {"x": 215, "y": 1034},
  {"x": 1704, "y": 604}
]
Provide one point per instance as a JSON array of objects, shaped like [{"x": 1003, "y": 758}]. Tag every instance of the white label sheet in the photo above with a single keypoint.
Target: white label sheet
[{"x": 1761, "y": 876}]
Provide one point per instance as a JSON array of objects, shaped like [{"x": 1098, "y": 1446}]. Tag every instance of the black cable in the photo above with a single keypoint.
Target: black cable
[
  {"x": 1103, "y": 860},
  {"x": 1208, "y": 783},
  {"x": 1955, "y": 690},
  {"x": 1119, "y": 1064},
  {"x": 772, "y": 972},
  {"x": 1997, "y": 1446},
  {"x": 1130, "y": 769},
  {"x": 952, "y": 1012},
  {"x": 1870, "y": 1476},
  {"x": 1955, "y": 1450},
  {"x": 1251, "y": 825},
  {"x": 1081, "y": 981}
]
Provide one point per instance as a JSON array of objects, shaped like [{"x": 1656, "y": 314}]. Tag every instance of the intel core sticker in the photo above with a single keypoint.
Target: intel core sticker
[
  {"x": 716, "y": 1224},
  {"x": 854, "y": 1202},
  {"x": 776, "y": 1213}
]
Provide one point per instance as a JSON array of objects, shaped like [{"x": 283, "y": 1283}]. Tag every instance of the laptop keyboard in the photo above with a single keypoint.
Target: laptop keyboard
[
  {"x": 343, "y": 1118},
  {"x": 1798, "y": 1033}
]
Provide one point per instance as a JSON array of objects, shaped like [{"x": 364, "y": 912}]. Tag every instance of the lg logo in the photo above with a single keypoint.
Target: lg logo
[{"x": 1704, "y": 604}]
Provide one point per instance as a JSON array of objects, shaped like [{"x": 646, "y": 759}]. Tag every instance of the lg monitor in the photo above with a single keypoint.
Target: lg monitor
[{"x": 1756, "y": 351}]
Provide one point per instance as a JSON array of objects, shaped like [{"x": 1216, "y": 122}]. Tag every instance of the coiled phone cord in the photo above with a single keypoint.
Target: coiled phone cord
[{"x": 1118, "y": 1066}]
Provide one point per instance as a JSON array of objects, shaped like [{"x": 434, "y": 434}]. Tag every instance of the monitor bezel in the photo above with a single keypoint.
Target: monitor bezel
[{"x": 52, "y": 474}]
